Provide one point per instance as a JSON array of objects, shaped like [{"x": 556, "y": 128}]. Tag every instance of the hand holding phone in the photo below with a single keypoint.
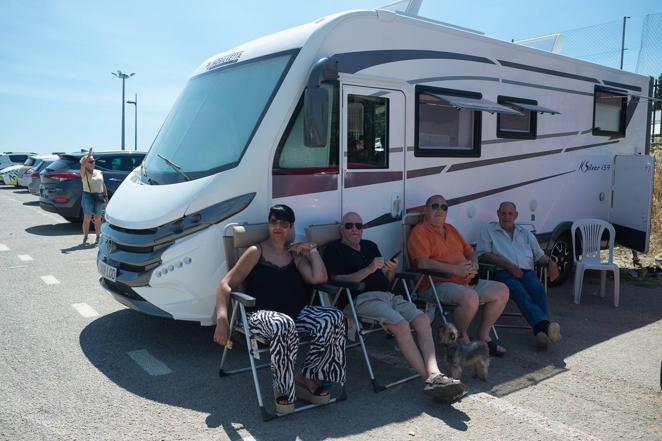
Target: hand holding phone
[{"x": 396, "y": 255}]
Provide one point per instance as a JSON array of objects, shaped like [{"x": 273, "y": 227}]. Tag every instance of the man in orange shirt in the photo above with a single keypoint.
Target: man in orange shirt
[{"x": 434, "y": 244}]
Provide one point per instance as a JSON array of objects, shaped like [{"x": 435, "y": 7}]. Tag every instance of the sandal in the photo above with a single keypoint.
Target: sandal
[
  {"x": 444, "y": 389},
  {"x": 85, "y": 239},
  {"x": 316, "y": 397},
  {"x": 495, "y": 349},
  {"x": 283, "y": 406}
]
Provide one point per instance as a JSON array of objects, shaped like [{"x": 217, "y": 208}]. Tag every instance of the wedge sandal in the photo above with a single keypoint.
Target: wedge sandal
[
  {"x": 315, "y": 397},
  {"x": 283, "y": 406}
]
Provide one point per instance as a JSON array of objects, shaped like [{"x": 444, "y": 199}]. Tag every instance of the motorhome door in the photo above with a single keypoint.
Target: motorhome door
[
  {"x": 373, "y": 140},
  {"x": 632, "y": 190}
]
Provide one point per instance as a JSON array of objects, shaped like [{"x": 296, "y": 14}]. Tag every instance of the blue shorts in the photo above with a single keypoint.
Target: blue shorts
[{"x": 93, "y": 203}]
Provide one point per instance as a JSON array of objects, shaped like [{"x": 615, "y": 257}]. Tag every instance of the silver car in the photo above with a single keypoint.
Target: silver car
[{"x": 35, "y": 178}]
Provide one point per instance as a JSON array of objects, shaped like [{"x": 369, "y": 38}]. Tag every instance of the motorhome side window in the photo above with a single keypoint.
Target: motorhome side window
[
  {"x": 293, "y": 154},
  {"x": 522, "y": 126},
  {"x": 609, "y": 109},
  {"x": 367, "y": 132},
  {"x": 444, "y": 126}
]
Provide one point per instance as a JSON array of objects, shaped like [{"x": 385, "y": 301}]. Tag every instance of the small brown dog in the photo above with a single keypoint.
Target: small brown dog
[{"x": 458, "y": 356}]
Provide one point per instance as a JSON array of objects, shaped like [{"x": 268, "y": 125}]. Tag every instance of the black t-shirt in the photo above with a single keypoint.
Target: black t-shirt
[{"x": 341, "y": 259}]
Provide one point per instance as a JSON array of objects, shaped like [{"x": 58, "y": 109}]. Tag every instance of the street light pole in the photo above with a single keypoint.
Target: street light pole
[
  {"x": 123, "y": 76},
  {"x": 135, "y": 122},
  {"x": 623, "y": 42}
]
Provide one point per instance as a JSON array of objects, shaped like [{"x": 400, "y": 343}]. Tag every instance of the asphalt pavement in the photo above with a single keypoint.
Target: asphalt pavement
[{"x": 77, "y": 365}]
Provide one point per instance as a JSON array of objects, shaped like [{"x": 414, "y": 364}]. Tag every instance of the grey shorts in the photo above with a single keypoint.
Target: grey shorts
[
  {"x": 384, "y": 307},
  {"x": 449, "y": 292}
]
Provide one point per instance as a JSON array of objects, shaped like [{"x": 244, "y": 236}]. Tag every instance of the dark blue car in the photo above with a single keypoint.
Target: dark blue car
[{"x": 61, "y": 186}]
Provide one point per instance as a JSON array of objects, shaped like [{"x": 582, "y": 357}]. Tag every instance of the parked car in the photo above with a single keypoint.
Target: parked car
[
  {"x": 8, "y": 174},
  {"x": 61, "y": 186},
  {"x": 24, "y": 174},
  {"x": 35, "y": 178},
  {"x": 13, "y": 158}
]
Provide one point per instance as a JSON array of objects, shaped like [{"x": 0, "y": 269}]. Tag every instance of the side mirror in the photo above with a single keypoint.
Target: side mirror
[
  {"x": 316, "y": 111},
  {"x": 315, "y": 116}
]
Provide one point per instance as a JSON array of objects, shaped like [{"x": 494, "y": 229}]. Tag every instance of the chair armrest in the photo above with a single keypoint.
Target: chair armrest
[
  {"x": 429, "y": 272},
  {"x": 486, "y": 266},
  {"x": 242, "y": 298},
  {"x": 335, "y": 284},
  {"x": 407, "y": 275}
]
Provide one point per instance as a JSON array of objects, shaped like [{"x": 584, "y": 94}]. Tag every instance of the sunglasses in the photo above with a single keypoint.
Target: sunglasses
[
  {"x": 349, "y": 225},
  {"x": 436, "y": 206},
  {"x": 282, "y": 223}
]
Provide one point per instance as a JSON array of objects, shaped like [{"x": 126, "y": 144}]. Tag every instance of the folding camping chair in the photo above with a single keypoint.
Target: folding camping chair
[
  {"x": 409, "y": 222},
  {"x": 236, "y": 238},
  {"x": 322, "y": 235}
]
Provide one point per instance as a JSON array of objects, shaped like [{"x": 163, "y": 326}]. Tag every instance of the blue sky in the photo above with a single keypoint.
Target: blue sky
[{"x": 57, "y": 92}]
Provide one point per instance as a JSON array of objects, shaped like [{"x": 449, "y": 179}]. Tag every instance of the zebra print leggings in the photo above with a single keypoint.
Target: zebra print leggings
[{"x": 326, "y": 357}]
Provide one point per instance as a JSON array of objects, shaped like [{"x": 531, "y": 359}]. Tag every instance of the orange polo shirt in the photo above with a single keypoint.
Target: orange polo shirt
[{"x": 426, "y": 240}]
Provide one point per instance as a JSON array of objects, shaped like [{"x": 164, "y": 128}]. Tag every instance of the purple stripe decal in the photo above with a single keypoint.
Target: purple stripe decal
[
  {"x": 485, "y": 162},
  {"x": 294, "y": 185},
  {"x": 424, "y": 172},
  {"x": 384, "y": 219},
  {"x": 482, "y": 194},
  {"x": 356, "y": 179}
]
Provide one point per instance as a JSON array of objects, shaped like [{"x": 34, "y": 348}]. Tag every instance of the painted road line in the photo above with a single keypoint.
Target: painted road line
[
  {"x": 85, "y": 310},
  {"x": 3, "y": 247},
  {"x": 50, "y": 280},
  {"x": 557, "y": 428},
  {"x": 149, "y": 363},
  {"x": 244, "y": 433},
  {"x": 25, "y": 257}
]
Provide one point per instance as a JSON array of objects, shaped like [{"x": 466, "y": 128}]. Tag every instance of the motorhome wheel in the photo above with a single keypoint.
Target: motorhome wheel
[{"x": 561, "y": 253}]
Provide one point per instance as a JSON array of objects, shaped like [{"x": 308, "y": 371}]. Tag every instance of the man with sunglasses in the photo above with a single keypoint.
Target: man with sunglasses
[
  {"x": 353, "y": 259},
  {"x": 437, "y": 245},
  {"x": 514, "y": 250}
]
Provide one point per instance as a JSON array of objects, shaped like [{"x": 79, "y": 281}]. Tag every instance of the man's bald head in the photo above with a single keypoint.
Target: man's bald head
[
  {"x": 507, "y": 214},
  {"x": 351, "y": 216},
  {"x": 507, "y": 204},
  {"x": 352, "y": 235}
]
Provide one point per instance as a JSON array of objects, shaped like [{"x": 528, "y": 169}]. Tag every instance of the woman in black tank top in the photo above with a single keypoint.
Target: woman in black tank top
[{"x": 280, "y": 276}]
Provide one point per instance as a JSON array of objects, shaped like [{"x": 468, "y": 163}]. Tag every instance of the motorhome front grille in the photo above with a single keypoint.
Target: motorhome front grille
[
  {"x": 132, "y": 249},
  {"x": 126, "y": 230}
]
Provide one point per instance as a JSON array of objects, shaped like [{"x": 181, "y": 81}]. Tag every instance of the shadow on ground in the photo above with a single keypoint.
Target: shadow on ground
[
  {"x": 187, "y": 349},
  {"x": 61, "y": 229},
  {"x": 31, "y": 203},
  {"x": 80, "y": 247},
  {"x": 21, "y": 192}
]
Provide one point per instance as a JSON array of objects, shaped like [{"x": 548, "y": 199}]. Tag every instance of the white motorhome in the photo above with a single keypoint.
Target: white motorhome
[{"x": 374, "y": 111}]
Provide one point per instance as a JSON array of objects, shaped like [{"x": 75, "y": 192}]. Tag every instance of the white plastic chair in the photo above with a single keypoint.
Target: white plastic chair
[{"x": 591, "y": 235}]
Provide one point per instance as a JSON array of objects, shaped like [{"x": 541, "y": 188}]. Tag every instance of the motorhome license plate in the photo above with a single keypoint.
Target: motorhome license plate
[{"x": 107, "y": 271}]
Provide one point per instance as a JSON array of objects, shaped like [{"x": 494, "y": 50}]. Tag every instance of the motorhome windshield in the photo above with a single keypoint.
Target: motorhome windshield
[{"x": 214, "y": 119}]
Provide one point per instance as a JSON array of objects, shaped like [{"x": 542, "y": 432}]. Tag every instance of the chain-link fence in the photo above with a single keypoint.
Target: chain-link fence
[
  {"x": 649, "y": 63},
  {"x": 600, "y": 43}
]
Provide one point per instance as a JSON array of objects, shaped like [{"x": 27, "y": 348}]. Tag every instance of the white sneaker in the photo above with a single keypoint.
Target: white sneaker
[{"x": 554, "y": 332}]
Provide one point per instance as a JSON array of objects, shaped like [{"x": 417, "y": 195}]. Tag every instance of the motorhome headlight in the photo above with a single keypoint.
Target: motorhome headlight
[{"x": 136, "y": 253}]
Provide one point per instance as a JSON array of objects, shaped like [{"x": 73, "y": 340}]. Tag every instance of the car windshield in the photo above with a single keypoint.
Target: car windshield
[{"x": 213, "y": 120}]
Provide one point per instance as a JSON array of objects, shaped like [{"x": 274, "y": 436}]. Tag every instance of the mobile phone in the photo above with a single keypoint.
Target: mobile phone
[{"x": 396, "y": 255}]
